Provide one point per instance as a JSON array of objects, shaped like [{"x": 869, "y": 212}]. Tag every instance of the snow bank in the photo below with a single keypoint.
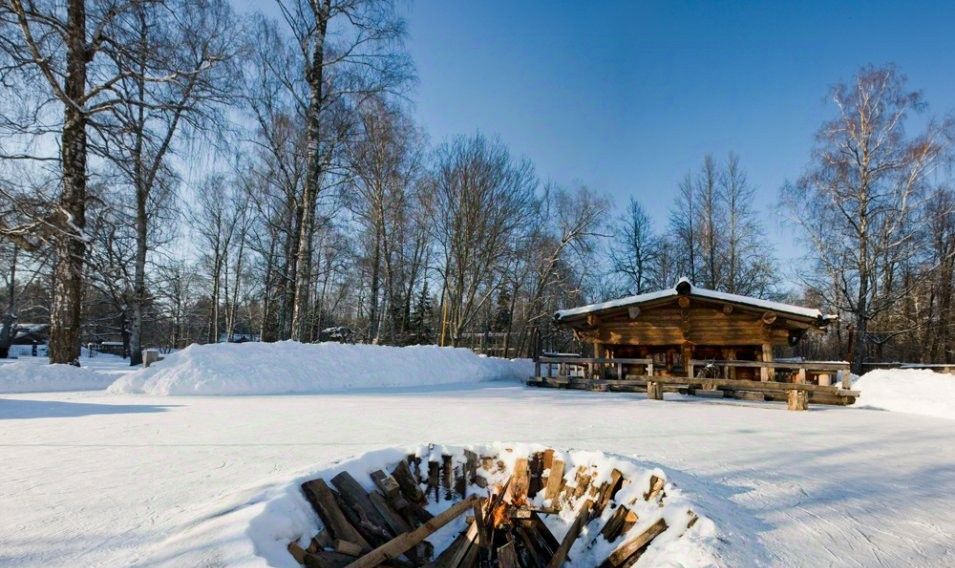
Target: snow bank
[
  {"x": 916, "y": 391},
  {"x": 29, "y": 376},
  {"x": 292, "y": 367}
]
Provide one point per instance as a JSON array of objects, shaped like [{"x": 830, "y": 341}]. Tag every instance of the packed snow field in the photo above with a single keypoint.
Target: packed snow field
[{"x": 104, "y": 478}]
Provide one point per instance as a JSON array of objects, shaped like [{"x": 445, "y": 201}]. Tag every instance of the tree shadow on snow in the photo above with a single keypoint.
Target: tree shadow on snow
[{"x": 13, "y": 409}]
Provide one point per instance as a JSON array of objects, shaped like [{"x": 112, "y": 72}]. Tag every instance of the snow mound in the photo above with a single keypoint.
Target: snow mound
[
  {"x": 258, "y": 532},
  {"x": 29, "y": 376},
  {"x": 915, "y": 391},
  {"x": 290, "y": 367}
]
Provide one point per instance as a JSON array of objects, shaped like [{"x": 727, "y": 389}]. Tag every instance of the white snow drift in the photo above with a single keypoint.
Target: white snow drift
[
  {"x": 908, "y": 390},
  {"x": 30, "y": 376},
  {"x": 292, "y": 367}
]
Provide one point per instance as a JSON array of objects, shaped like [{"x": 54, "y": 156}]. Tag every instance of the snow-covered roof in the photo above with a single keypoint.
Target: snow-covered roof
[{"x": 689, "y": 289}]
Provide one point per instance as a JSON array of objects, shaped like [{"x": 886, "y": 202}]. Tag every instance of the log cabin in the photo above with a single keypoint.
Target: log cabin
[{"x": 684, "y": 325}]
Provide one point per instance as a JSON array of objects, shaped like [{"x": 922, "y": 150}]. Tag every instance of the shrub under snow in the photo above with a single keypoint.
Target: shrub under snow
[
  {"x": 29, "y": 376},
  {"x": 916, "y": 391},
  {"x": 292, "y": 367}
]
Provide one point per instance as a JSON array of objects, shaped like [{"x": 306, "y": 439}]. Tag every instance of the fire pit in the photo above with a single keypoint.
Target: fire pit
[{"x": 502, "y": 505}]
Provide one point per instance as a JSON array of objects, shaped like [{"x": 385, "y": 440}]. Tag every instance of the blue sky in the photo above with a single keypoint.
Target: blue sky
[{"x": 626, "y": 97}]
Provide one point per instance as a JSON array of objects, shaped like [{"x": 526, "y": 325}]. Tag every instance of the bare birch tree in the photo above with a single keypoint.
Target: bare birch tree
[{"x": 856, "y": 203}]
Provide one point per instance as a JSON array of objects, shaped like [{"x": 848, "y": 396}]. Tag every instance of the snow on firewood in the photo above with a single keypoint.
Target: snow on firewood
[
  {"x": 915, "y": 391},
  {"x": 291, "y": 367},
  {"x": 30, "y": 376}
]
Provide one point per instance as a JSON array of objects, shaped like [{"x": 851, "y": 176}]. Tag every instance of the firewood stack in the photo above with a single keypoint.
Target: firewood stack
[{"x": 504, "y": 510}]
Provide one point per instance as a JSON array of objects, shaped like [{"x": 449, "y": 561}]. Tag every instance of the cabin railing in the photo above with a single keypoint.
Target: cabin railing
[
  {"x": 824, "y": 371},
  {"x": 591, "y": 365}
]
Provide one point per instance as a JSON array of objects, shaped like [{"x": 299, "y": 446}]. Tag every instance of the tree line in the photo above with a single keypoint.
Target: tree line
[{"x": 173, "y": 172}]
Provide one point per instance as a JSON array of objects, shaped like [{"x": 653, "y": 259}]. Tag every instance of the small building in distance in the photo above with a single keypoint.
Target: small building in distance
[{"x": 686, "y": 323}]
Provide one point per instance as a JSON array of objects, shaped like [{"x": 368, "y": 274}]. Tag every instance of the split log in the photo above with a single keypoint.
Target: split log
[
  {"x": 409, "y": 486},
  {"x": 326, "y": 559},
  {"x": 608, "y": 490},
  {"x": 325, "y": 502},
  {"x": 297, "y": 552},
  {"x": 618, "y": 523},
  {"x": 507, "y": 556},
  {"x": 536, "y": 467},
  {"x": 346, "y": 547},
  {"x": 395, "y": 522},
  {"x": 654, "y": 390},
  {"x": 363, "y": 515},
  {"x": 455, "y": 554},
  {"x": 554, "y": 480},
  {"x": 479, "y": 525},
  {"x": 321, "y": 540},
  {"x": 447, "y": 475},
  {"x": 561, "y": 555},
  {"x": 629, "y": 552},
  {"x": 388, "y": 486},
  {"x": 434, "y": 480},
  {"x": 583, "y": 482},
  {"x": 520, "y": 482},
  {"x": 656, "y": 487},
  {"x": 398, "y": 545}
]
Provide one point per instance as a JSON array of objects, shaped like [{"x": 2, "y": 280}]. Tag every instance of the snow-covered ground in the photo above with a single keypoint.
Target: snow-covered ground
[
  {"x": 913, "y": 391},
  {"x": 101, "y": 479},
  {"x": 35, "y": 374}
]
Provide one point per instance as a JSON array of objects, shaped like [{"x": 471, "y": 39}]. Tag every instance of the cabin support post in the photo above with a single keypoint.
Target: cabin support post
[
  {"x": 654, "y": 390},
  {"x": 687, "y": 357},
  {"x": 846, "y": 379},
  {"x": 797, "y": 400},
  {"x": 765, "y": 373},
  {"x": 825, "y": 379}
]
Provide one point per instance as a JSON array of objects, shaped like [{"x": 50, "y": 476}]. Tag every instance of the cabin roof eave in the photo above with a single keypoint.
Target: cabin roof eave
[{"x": 685, "y": 288}]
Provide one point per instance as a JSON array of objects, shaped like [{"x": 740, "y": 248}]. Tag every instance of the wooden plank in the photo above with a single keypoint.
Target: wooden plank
[
  {"x": 507, "y": 556},
  {"x": 398, "y": 545},
  {"x": 629, "y": 552},
  {"x": 324, "y": 503},
  {"x": 572, "y": 533}
]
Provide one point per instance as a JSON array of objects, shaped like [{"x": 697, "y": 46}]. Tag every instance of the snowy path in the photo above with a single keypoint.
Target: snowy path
[{"x": 91, "y": 479}]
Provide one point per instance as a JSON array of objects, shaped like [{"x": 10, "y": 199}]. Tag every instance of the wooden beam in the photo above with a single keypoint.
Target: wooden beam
[
  {"x": 683, "y": 302},
  {"x": 398, "y": 545},
  {"x": 769, "y": 318},
  {"x": 624, "y": 554},
  {"x": 633, "y": 312},
  {"x": 727, "y": 309}
]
